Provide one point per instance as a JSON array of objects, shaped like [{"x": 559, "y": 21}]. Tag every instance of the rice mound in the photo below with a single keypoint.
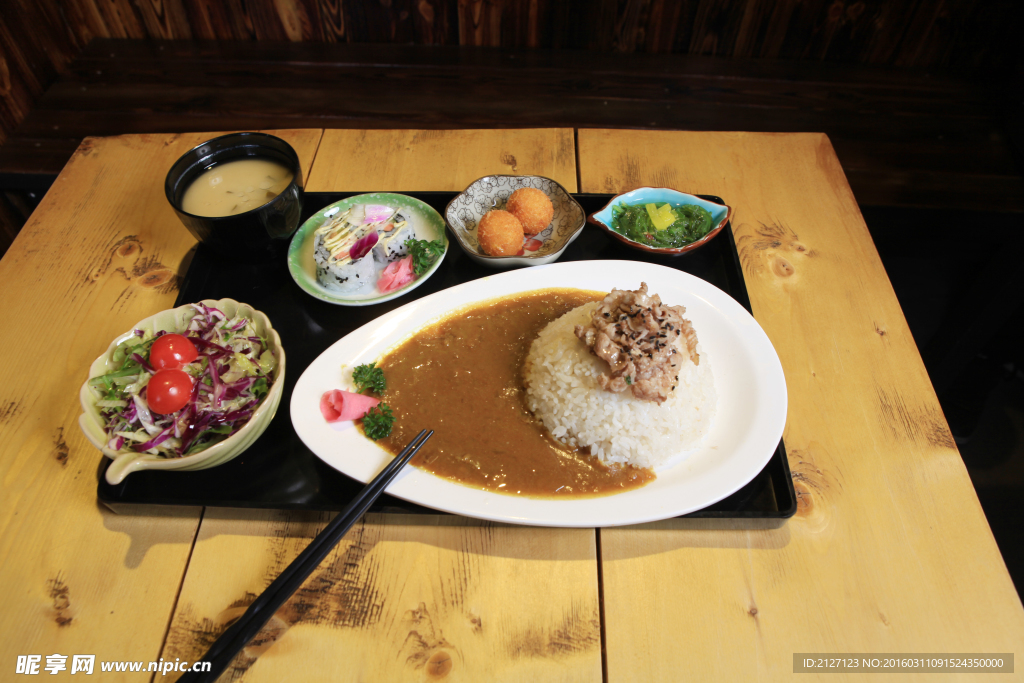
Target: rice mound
[{"x": 560, "y": 374}]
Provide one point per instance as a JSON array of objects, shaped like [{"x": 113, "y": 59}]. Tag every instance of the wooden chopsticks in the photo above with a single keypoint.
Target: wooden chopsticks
[{"x": 259, "y": 612}]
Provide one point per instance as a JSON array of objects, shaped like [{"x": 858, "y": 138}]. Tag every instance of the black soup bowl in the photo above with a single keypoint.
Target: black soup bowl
[{"x": 259, "y": 234}]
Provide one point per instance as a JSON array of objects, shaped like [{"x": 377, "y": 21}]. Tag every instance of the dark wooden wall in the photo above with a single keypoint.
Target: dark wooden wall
[{"x": 39, "y": 38}]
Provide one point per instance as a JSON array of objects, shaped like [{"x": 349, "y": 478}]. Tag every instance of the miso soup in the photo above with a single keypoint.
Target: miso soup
[{"x": 235, "y": 187}]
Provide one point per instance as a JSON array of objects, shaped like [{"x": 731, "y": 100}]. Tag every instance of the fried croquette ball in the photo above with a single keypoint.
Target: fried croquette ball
[
  {"x": 500, "y": 233},
  {"x": 533, "y": 209}
]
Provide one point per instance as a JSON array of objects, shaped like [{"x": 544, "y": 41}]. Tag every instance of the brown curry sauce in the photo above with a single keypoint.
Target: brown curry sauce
[{"x": 462, "y": 377}]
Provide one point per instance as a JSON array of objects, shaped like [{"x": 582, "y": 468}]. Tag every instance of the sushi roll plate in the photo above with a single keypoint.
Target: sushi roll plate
[{"x": 356, "y": 252}]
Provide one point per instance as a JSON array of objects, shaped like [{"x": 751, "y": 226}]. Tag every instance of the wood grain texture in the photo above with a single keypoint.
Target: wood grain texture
[
  {"x": 76, "y": 573},
  {"x": 400, "y": 599},
  {"x": 34, "y": 48},
  {"x": 424, "y": 160},
  {"x": 102, "y": 251},
  {"x": 905, "y": 137},
  {"x": 889, "y": 550},
  {"x": 39, "y": 39}
]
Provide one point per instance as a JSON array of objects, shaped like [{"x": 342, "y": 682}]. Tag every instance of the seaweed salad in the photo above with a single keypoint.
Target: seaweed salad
[{"x": 665, "y": 226}]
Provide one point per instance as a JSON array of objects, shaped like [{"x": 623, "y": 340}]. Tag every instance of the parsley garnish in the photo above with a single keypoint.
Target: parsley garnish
[
  {"x": 424, "y": 253},
  {"x": 629, "y": 381},
  {"x": 378, "y": 421},
  {"x": 369, "y": 377}
]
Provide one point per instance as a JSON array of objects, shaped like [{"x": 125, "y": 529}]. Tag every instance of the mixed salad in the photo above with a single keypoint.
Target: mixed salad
[{"x": 178, "y": 394}]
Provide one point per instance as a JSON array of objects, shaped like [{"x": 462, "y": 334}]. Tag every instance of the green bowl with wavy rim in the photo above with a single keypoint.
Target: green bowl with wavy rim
[
  {"x": 300, "y": 253},
  {"x": 176, "y": 319}
]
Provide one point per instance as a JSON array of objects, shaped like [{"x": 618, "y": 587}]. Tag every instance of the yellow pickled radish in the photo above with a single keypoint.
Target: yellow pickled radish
[
  {"x": 666, "y": 213},
  {"x": 660, "y": 218}
]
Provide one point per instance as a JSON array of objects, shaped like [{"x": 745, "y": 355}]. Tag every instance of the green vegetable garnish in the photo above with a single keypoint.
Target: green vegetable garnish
[
  {"x": 378, "y": 421},
  {"x": 691, "y": 223},
  {"x": 209, "y": 437},
  {"x": 369, "y": 377},
  {"x": 109, "y": 379},
  {"x": 259, "y": 388},
  {"x": 424, "y": 253}
]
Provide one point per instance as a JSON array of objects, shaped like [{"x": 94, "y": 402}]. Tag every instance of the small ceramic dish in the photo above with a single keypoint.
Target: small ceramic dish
[
  {"x": 492, "y": 192},
  {"x": 720, "y": 215},
  {"x": 124, "y": 461},
  {"x": 300, "y": 253}
]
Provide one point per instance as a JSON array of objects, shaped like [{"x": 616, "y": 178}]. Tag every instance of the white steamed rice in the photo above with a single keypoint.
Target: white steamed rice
[{"x": 562, "y": 391}]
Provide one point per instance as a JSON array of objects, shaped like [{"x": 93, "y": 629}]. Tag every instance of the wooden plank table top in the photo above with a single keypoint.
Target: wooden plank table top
[{"x": 889, "y": 551}]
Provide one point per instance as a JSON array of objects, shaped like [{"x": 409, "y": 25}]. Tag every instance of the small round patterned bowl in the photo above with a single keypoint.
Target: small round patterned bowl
[
  {"x": 492, "y": 192},
  {"x": 125, "y": 461}
]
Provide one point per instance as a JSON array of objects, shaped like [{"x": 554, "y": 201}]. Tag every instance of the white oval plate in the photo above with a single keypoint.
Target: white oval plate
[{"x": 748, "y": 424}]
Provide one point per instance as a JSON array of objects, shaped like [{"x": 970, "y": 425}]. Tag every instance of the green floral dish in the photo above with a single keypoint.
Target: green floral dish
[{"x": 428, "y": 225}]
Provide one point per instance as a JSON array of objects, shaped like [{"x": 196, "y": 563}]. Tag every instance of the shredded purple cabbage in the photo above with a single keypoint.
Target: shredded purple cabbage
[
  {"x": 225, "y": 393},
  {"x": 143, "y": 362}
]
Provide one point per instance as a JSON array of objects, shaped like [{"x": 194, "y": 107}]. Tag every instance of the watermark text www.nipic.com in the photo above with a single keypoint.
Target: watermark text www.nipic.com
[
  {"x": 896, "y": 662},
  {"x": 33, "y": 665}
]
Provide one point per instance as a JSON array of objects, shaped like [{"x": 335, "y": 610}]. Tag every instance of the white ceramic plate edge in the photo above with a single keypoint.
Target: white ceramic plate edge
[{"x": 748, "y": 376}]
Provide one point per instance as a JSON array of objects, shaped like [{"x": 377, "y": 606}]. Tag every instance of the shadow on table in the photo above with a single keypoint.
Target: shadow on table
[
  {"x": 150, "y": 528},
  {"x": 160, "y": 525}
]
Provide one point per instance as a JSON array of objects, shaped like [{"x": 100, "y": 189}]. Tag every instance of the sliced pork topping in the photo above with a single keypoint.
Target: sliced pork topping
[{"x": 643, "y": 341}]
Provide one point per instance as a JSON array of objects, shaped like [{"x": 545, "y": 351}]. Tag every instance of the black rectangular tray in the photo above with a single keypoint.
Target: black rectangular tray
[{"x": 279, "y": 472}]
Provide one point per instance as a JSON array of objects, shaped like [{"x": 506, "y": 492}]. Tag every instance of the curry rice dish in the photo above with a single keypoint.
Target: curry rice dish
[
  {"x": 625, "y": 378},
  {"x": 515, "y": 401}
]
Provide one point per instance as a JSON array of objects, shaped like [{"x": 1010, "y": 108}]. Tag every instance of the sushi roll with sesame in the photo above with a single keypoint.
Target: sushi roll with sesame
[
  {"x": 391, "y": 245},
  {"x": 343, "y": 251}
]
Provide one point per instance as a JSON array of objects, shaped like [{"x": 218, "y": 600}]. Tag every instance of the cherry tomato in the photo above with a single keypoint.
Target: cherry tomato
[
  {"x": 168, "y": 391},
  {"x": 172, "y": 351}
]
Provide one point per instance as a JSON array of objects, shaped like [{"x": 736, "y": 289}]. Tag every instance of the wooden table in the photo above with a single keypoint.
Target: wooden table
[{"x": 889, "y": 551}]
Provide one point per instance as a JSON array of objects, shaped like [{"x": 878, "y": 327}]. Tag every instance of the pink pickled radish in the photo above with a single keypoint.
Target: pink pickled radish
[
  {"x": 337, "y": 405},
  {"x": 397, "y": 274}
]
